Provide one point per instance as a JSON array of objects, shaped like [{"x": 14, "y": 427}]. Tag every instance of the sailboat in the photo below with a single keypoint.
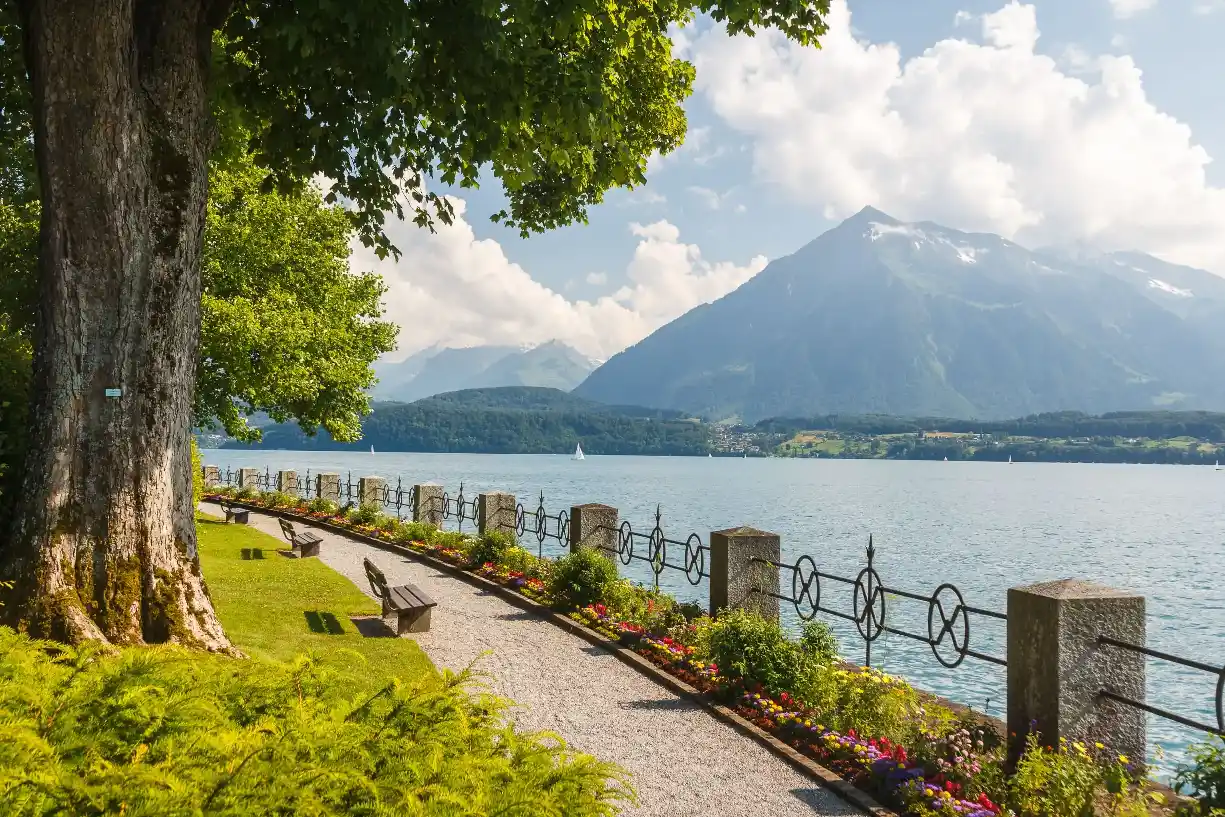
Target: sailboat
[
  {"x": 372, "y": 449},
  {"x": 578, "y": 452},
  {"x": 1218, "y": 465},
  {"x": 1010, "y": 459}
]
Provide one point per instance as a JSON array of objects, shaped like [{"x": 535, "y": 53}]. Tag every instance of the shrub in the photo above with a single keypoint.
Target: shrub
[
  {"x": 754, "y": 649},
  {"x": 366, "y": 514},
  {"x": 157, "y": 731},
  {"x": 1068, "y": 780},
  {"x": 416, "y": 532},
  {"x": 817, "y": 641},
  {"x": 648, "y": 607},
  {"x": 865, "y": 701},
  {"x": 1204, "y": 777},
  {"x": 449, "y": 539},
  {"x": 581, "y": 578},
  {"x": 197, "y": 475},
  {"x": 490, "y": 547},
  {"x": 321, "y": 505},
  {"x": 280, "y": 499},
  {"x": 247, "y": 492},
  {"x": 519, "y": 560}
]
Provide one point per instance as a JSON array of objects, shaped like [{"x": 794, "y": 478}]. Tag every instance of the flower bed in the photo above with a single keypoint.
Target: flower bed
[{"x": 935, "y": 764}]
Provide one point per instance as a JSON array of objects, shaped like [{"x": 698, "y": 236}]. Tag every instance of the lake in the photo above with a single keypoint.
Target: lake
[{"x": 985, "y": 527}]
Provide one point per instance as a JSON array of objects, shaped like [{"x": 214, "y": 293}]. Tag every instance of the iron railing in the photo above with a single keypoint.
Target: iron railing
[
  {"x": 539, "y": 521},
  {"x": 656, "y": 545},
  {"x": 1189, "y": 663},
  {"x": 948, "y": 616}
]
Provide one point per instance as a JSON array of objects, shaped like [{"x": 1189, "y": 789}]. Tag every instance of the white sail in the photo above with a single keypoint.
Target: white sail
[
  {"x": 372, "y": 449},
  {"x": 1010, "y": 459},
  {"x": 578, "y": 452}
]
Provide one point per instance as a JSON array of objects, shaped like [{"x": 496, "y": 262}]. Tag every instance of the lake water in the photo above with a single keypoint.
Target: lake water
[{"x": 984, "y": 527}]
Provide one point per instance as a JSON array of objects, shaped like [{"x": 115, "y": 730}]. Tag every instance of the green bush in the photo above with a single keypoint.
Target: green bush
[
  {"x": 321, "y": 505},
  {"x": 817, "y": 641},
  {"x": 147, "y": 732},
  {"x": 247, "y": 492},
  {"x": 755, "y": 649},
  {"x": 1204, "y": 777},
  {"x": 197, "y": 475},
  {"x": 280, "y": 499},
  {"x": 366, "y": 514},
  {"x": 491, "y": 547},
  {"x": 416, "y": 532},
  {"x": 581, "y": 578}
]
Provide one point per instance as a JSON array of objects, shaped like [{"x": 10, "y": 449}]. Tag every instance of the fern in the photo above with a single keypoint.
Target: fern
[{"x": 162, "y": 731}]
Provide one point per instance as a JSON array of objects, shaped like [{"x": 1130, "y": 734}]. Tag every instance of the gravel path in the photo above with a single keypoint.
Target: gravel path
[{"x": 684, "y": 762}]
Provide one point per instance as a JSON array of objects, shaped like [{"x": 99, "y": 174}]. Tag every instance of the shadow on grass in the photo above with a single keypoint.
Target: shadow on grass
[
  {"x": 372, "y": 627},
  {"x": 323, "y": 623},
  {"x": 252, "y": 553}
]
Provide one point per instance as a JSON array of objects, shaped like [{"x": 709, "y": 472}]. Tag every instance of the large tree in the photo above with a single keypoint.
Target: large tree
[{"x": 561, "y": 100}]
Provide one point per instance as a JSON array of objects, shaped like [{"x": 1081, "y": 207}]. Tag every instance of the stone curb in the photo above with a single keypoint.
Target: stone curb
[{"x": 801, "y": 762}]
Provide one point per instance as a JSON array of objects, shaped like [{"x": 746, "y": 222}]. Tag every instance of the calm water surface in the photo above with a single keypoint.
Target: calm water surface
[{"x": 985, "y": 527}]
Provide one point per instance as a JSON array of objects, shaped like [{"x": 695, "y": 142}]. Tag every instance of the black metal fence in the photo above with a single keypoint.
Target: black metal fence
[{"x": 866, "y": 603}]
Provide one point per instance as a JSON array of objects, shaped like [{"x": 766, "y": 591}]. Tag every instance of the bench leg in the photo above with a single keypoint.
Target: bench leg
[
  {"x": 308, "y": 549},
  {"x": 413, "y": 621}
]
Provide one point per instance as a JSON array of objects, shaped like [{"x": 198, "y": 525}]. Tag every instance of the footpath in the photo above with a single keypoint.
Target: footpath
[{"x": 683, "y": 762}]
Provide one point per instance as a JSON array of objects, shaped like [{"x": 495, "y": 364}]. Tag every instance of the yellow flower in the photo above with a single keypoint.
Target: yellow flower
[
  {"x": 1123, "y": 759},
  {"x": 1099, "y": 746}
]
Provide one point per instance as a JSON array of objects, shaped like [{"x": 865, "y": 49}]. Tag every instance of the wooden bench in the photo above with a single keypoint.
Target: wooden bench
[
  {"x": 410, "y": 605},
  {"x": 304, "y": 543},
  {"x": 233, "y": 513}
]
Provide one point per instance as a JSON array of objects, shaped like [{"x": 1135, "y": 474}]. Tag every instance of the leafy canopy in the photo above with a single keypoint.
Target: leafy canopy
[{"x": 561, "y": 99}]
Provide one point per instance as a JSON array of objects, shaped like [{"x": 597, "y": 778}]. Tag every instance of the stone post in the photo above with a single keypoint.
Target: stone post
[
  {"x": 736, "y": 579},
  {"x": 370, "y": 491},
  {"x": 495, "y": 511},
  {"x": 212, "y": 475},
  {"x": 594, "y": 525},
  {"x": 248, "y": 478},
  {"x": 427, "y": 504},
  {"x": 287, "y": 482},
  {"x": 327, "y": 486},
  {"x": 1057, "y": 667}
]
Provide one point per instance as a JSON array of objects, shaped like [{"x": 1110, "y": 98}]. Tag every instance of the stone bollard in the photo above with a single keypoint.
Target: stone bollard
[
  {"x": 495, "y": 511},
  {"x": 287, "y": 482},
  {"x": 212, "y": 475},
  {"x": 736, "y": 579},
  {"x": 327, "y": 486},
  {"x": 370, "y": 491},
  {"x": 1057, "y": 667},
  {"x": 248, "y": 478},
  {"x": 427, "y": 504},
  {"x": 594, "y": 525}
]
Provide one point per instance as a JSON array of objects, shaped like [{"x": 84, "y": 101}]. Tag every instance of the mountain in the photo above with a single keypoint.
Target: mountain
[
  {"x": 510, "y": 420},
  {"x": 439, "y": 370},
  {"x": 877, "y": 316}
]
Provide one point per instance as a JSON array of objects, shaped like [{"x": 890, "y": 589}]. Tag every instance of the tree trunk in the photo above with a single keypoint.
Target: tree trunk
[{"x": 103, "y": 543}]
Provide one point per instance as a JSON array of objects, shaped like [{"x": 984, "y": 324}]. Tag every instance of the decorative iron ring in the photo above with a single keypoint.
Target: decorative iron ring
[
  {"x": 867, "y": 595},
  {"x": 520, "y": 520},
  {"x": 658, "y": 550},
  {"x": 446, "y": 505},
  {"x": 806, "y": 588},
  {"x": 947, "y": 625},
  {"x": 563, "y": 527},
  {"x": 625, "y": 543},
  {"x": 695, "y": 559},
  {"x": 538, "y": 525}
]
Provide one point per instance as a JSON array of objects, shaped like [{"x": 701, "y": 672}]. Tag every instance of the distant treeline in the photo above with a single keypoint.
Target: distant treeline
[
  {"x": 1202, "y": 425},
  {"x": 1048, "y": 451},
  {"x": 445, "y": 427}
]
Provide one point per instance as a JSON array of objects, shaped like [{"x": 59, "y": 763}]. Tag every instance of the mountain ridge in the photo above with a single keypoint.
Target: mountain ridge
[{"x": 882, "y": 316}]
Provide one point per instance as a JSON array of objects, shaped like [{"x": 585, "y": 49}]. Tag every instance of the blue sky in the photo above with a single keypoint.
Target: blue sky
[{"x": 764, "y": 173}]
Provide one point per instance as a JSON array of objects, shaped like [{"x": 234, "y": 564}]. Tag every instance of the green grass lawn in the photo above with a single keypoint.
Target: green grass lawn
[{"x": 277, "y": 607}]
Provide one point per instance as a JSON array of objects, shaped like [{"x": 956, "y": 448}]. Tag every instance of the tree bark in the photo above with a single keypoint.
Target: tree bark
[{"x": 103, "y": 543}]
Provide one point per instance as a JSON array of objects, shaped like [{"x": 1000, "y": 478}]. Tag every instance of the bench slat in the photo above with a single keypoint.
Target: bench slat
[{"x": 409, "y": 597}]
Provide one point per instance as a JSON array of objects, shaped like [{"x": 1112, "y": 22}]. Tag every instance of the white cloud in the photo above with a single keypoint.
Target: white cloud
[
  {"x": 452, "y": 288},
  {"x": 713, "y": 199},
  {"x": 1208, "y": 6},
  {"x": 597, "y": 278},
  {"x": 980, "y": 133},
  {"x": 1129, "y": 8}
]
